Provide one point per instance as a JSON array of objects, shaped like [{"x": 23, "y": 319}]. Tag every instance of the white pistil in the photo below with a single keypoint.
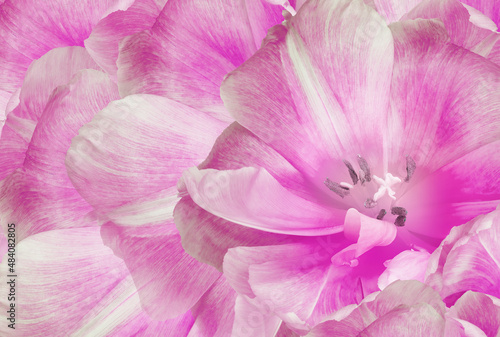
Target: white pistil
[{"x": 386, "y": 186}]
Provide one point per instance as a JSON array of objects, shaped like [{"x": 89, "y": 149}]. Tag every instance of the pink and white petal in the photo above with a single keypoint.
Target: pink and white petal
[
  {"x": 103, "y": 42},
  {"x": 367, "y": 231},
  {"x": 29, "y": 29},
  {"x": 284, "y": 331},
  {"x": 393, "y": 10},
  {"x": 474, "y": 266},
  {"x": 143, "y": 234},
  {"x": 251, "y": 197},
  {"x": 190, "y": 49},
  {"x": 303, "y": 86},
  {"x": 252, "y": 321},
  {"x": 399, "y": 299},
  {"x": 489, "y": 8},
  {"x": 418, "y": 320},
  {"x": 457, "y": 19},
  {"x": 461, "y": 190},
  {"x": 69, "y": 283},
  {"x": 468, "y": 307},
  {"x": 135, "y": 147},
  {"x": 407, "y": 265},
  {"x": 207, "y": 237},
  {"x": 55, "y": 68},
  {"x": 214, "y": 312},
  {"x": 40, "y": 196},
  {"x": 449, "y": 112},
  {"x": 237, "y": 147}
]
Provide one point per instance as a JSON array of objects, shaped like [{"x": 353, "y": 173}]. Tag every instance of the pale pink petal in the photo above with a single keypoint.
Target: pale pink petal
[
  {"x": 407, "y": 265},
  {"x": 40, "y": 196},
  {"x": 253, "y": 321},
  {"x": 403, "y": 307},
  {"x": 190, "y": 49},
  {"x": 135, "y": 147},
  {"x": 458, "y": 22},
  {"x": 284, "y": 331},
  {"x": 69, "y": 283},
  {"x": 489, "y": 8},
  {"x": 367, "y": 231},
  {"x": 143, "y": 234},
  {"x": 393, "y": 10},
  {"x": 480, "y": 19},
  {"x": 55, "y": 68},
  {"x": 102, "y": 44},
  {"x": 481, "y": 310},
  {"x": 29, "y": 29},
  {"x": 126, "y": 163},
  {"x": 253, "y": 198},
  {"x": 237, "y": 147},
  {"x": 208, "y": 237},
  {"x": 214, "y": 312},
  {"x": 419, "y": 320},
  {"x": 468, "y": 259},
  {"x": 450, "y": 111},
  {"x": 308, "y": 94}
]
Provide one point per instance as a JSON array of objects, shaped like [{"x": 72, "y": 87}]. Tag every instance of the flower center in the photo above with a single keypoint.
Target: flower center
[{"x": 386, "y": 186}]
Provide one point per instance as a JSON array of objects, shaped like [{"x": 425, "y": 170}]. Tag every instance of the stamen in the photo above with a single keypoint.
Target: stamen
[
  {"x": 352, "y": 173},
  {"x": 361, "y": 177},
  {"x": 410, "y": 168},
  {"x": 381, "y": 214},
  {"x": 370, "y": 203},
  {"x": 364, "y": 166},
  {"x": 399, "y": 211},
  {"x": 336, "y": 188},
  {"x": 400, "y": 221}
]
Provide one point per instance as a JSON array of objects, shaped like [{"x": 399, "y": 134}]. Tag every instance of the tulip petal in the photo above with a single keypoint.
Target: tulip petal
[
  {"x": 393, "y": 10},
  {"x": 237, "y": 147},
  {"x": 407, "y": 265},
  {"x": 55, "y": 68},
  {"x": 214, "y": 312},
  {"x": 479, "y": 309},
  {"x": 456, "y": 193},
  {"x": 458, "y": 20},
  {"x": 468, "y": 259},
  {"x": 191, "y": 48},
  {"x": 450, "y": 111},
  {"x": 29, "y": 29},
  {"x": 40, "y": 196},
  {"x": 208, "y": 237},
  {"x": 252, "y": 321},
  {"x": 308, "y": 95},
  {"x": 253, "y": 198},
  {"x": 168, "y": 280},
  {"x": 102, "y": 44},
  {"x": 68, "y": 282},
  {"x": 135, "y": 147}
]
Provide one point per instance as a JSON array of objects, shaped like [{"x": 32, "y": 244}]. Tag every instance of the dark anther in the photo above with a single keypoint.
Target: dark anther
[
  {"x": 341, "y": 191},
  {"x": 399, "y": 211},
  {"x": 410, "y": 168},
  {"x": 364, "y": 166},
  {"x": 361, "y": 177},
  {"x": 381, "y": 214},
  {"x": 370, "y": 203},
  {"x": 400, "y": 221},
  {"x": 352, "y": 173}
]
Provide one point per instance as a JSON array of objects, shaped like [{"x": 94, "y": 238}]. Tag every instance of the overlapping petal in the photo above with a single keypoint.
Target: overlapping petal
[
  {"x": 190, "y": 49},
  {"x": 40, "y": 80},
  {"x": 54, "y": 276},
  {"x": 29, "y": 29},
  {"x": 39, "y": 196}
]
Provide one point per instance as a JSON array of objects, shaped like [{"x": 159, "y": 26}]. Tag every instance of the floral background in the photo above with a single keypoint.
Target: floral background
[{"x": 250, "y": 167}]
